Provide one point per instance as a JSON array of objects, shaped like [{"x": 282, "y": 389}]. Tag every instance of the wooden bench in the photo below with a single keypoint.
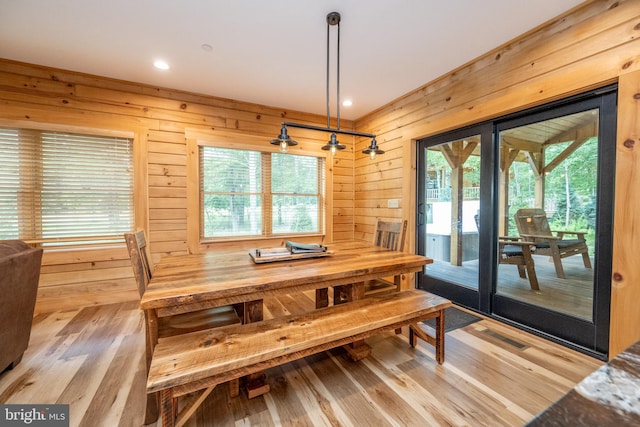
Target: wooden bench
[{"x": 198, "y": 361}]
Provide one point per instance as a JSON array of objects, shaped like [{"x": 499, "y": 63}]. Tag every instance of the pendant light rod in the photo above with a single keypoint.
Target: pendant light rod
[
  {"x": 284, "y": 141},
  {"x": 333, "y": 18},
  {"x": 328, "y": 129},
  {"x": 337, "y": 68},
  {"x": 327, "y": 79}
]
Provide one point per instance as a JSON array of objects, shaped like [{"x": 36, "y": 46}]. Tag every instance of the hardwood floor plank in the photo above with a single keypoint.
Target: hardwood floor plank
[
  {"x": 464, "y": 363},
  {"x": 494, "y": 375},
  {"x": 319, "y": 397},
  {"x": 109, "y": 401},
  {"x": 354, "y": 400},
  {"x": 384, "y": 395},
  {"x": 300, "y": 379},
  {"x": 461, "y": 402}
]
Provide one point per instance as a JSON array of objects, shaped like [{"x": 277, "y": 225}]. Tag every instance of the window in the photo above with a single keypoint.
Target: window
[
  {"x": 253, "y": 193},
  {"x": 64, "y": 187}
]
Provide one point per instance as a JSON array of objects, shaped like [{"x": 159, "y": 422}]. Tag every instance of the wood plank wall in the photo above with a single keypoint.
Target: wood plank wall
[
  {"x": 160, "y": 119},
  {"x": 595, "y": 44}
]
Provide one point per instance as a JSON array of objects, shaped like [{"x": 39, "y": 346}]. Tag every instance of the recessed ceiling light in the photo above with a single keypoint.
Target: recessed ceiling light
[
  {"x": 347, "y": 103},
  {"x": 161, "y": 65},
  {"x": 207, "y": 47}
]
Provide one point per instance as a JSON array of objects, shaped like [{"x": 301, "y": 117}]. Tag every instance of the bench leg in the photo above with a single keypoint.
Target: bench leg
[
  {"x": 357, "y": 350},
  {"x": 439, "y": 344},
  {"x": 190, "y": 405},
  {"x": 234, "y": 388},
  {"x": 416, "y": 332},
  {"x": 256, "y": 384},
  {"x": 168, "y": 408}
]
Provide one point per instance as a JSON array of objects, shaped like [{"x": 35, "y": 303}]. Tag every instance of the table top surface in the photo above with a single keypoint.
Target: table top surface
[{"x": 208, "y": 276}]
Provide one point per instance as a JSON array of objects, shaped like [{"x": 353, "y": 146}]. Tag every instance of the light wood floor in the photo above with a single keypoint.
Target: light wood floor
[{"x": 493, "y": 375}]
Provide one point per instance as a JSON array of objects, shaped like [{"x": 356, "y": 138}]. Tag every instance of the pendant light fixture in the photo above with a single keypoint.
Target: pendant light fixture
[{"x": 333, "y": 145}]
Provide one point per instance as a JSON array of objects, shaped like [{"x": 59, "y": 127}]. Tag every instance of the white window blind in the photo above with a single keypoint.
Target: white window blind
[
  {"x": 64, "y": 187},
  {"x": 253, "y": 193}
]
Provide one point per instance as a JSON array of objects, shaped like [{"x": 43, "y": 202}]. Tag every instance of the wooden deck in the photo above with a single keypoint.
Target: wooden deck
[
  {"x": 572, "y": 295},
  {"x": 494, "y": 375}
]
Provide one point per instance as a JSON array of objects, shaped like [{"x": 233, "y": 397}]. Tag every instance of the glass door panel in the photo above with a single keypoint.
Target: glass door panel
[
  {"x": 517, "y": 215},
  {"x": 453, "y": 205},
  {"x": 547, "y": 213},
  {"x": 449, "y": 192}
]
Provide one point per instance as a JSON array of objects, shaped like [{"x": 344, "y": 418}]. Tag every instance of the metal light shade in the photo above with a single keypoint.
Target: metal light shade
[
  {"x": 373, "y": 149},
  {"x": 283, "y": 140},
  {"x": 333, "y": 145}
]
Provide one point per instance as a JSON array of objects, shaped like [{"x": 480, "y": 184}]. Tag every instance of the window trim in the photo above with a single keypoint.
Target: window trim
[
  {"x": 196, "y": 138},
  {"x": 140, "y": 203}
]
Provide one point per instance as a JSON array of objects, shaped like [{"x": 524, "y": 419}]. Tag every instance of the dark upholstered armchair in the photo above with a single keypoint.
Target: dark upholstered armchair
[{"x": 19, "y": 275}]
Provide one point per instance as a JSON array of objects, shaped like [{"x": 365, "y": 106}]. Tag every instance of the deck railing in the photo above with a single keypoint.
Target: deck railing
[{"x": 444, "y": 194}]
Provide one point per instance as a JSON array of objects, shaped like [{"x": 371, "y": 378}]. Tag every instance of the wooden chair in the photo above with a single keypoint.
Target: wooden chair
[
  {"x": 388, "y": 235},
  {"x": 169, "y": 326},
  {"x": 515, "y": 251},
  {"x": 533, "y": 225}
]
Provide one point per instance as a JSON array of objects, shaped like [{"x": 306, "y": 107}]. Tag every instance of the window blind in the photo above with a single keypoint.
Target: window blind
[
  {"x": 65, "y": 187},
  {"x": 253, "y": 193}
]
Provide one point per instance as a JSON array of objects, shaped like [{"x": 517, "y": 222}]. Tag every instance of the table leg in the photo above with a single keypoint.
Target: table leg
[
  {"x": 340, "y": 294},
  {"x": 397, "y": 281},
  {"x": 255, "y": 384},
  {"x": 252, "y": 311},
  {"x": 357, "y": 350},
  {"x": 322, "y": 298}
]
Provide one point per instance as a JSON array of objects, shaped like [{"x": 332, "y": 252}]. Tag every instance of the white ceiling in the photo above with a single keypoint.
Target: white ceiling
[{"x": 268, "y": 52}]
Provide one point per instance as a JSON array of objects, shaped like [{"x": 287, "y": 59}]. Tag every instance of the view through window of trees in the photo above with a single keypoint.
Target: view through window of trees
[
  {"x": 569, "y": 177},
  {"x": 253, "y": 193},
  {"x": 64, "y": 188},
  {"x": 550, "y": 165}
]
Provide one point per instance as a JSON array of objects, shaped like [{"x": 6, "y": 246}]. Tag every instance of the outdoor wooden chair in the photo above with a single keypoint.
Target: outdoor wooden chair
[
  {"x": 515, "y": 251},
  {"x": 173, "y": 325},
  {"x": 533, "y": 225}
]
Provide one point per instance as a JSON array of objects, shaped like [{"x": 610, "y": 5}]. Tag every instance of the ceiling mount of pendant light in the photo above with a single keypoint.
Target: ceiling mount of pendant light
[{"x": 284, "y": 141}]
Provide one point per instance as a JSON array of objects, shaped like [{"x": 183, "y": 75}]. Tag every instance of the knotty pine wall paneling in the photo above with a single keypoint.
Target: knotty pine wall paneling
[
  {"x": 33, "y": 95},
  {"x": 593, "y": 45}
]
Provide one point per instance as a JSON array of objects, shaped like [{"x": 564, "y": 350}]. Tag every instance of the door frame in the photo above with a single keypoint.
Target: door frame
[{"x": 590, "y": 337}]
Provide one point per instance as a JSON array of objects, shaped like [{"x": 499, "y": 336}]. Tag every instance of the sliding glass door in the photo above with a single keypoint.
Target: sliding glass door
[
  {"x": 517, "y": 214},
  {"x": 450, "y": 190}
]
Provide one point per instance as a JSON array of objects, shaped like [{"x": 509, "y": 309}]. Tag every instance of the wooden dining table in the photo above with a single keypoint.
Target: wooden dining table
[{"x": 187, "y": 283}]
